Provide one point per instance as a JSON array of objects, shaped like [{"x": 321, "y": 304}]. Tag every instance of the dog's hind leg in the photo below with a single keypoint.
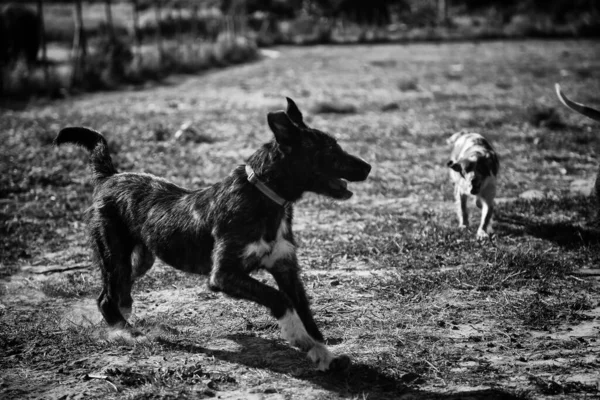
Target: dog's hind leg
[
  {"x": 108, "y": 300},
  {"x": 142, "y": 260},
  {"x": 112, "y": 253}
]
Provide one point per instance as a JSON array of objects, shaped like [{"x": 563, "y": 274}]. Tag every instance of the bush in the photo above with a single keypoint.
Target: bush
[
  {"x": 20, "y": 82},
  {"x": 233, "y": 50},
  {"x": 110, "y": 61}
]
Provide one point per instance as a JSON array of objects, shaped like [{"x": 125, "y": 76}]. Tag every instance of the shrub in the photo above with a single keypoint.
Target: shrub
[
  {"x": 233, "y": 50},
  {"x": 106, "y": 67},
  {"x": 20, "y": 82}
]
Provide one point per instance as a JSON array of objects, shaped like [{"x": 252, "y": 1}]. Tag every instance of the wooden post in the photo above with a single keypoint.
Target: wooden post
[
  {"x": 159, "y": 33},
  {"x": 179, "y": 28},
  {"x": 109, "y": 21},
  {"x": 193, "y": 30},
  {"x": 40, "y": 10},
  {"x": 442, "y": 11},
  {"x": 79, "y": 44},
  {"x": 194, "y": 22},
  {"x": 136, "y": 29}
]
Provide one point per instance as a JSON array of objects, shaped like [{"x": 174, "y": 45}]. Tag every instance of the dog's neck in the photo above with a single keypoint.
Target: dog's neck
[
  {"x": 272, "y": 170},
  {"x": 266, "y": 190}
]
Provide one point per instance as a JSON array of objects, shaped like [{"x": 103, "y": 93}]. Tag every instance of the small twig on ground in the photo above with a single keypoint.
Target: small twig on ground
[
  {"x": 508, "y": 277},
  {"x": 104, "y": 378},
  {"x": 432, "y": 366}
]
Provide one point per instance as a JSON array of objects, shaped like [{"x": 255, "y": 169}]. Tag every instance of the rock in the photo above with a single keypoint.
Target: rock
[{"x": 532, "y": 194}]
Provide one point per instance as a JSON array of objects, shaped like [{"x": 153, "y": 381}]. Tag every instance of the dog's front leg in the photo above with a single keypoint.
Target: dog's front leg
[
  {"x": 461, "y": 208},
  {"x": 487, "y": 209},
  {"x": 286, "y": 274}
]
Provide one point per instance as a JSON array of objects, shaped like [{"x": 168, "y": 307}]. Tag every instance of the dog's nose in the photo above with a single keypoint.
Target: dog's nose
[
  {"x": 361, "y": 167},
  {"x": 366, "y": 169}
]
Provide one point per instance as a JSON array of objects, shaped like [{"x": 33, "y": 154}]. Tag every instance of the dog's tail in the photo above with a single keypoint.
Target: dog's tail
[
  {"x": 94, "y": 142},
  {"x": 580, "y": 108}
]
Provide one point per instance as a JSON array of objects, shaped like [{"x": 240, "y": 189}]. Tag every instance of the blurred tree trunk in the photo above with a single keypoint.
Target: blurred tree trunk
[
  {"x": 79, "y": 52},
  {"x": 40, "y": 10}
]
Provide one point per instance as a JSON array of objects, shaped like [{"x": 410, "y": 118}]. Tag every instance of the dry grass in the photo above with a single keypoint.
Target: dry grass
[{"x": 421, "y": 307}]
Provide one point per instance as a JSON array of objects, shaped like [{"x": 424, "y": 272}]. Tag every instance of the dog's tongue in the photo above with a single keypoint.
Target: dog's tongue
[{"x": 338, "y": 184}]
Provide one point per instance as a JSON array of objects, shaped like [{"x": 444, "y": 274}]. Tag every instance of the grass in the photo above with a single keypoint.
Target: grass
[{"x": 422, "y": 308}]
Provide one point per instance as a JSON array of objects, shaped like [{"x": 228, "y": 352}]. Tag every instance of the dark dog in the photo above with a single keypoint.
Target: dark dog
[
  {"x": 590, "y": 113},
  {"x": 473, "y": 167},
  {"x": 226, "y": 231}
]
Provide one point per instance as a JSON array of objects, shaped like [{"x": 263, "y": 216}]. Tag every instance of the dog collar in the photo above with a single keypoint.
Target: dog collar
[{"x": 253, "y": 179}]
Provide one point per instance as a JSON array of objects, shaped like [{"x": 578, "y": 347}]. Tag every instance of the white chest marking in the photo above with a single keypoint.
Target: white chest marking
[{"x": 269, "y": 253}]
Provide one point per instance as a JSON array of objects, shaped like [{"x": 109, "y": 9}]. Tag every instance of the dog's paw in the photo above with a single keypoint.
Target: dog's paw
[
  {"x": 462, "y": 226},
  {"x": 127, "y": 335},
  {"x": 321, "y": 356},
  {"x": 126, "y": 312},
  {"x": 482, "y": 235}
]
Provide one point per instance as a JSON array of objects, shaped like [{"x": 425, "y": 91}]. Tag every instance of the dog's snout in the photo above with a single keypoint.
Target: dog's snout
[
  {"x": 366, "y": 167},
  {"x": 359, "y": 169}
]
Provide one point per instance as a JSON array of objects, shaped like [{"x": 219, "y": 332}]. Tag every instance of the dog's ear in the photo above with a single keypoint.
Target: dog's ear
[
  {"x": 455, "y": 166},
  {"x": 294, "y": 113},
  {"x": 283, "y": 128}
]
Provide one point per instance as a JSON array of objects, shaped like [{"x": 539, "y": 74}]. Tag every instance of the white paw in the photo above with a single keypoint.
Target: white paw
[
  {"x": 126, "y": 312},
  {"x": 321, "y": 356},
  {"x": 482, "y": 235},
  {"x": 462, "y": 226},
  {"x": 126, "y": 335}
]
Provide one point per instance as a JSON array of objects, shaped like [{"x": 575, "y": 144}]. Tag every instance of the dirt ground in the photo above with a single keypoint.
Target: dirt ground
[{"x": 422, "y": 308}]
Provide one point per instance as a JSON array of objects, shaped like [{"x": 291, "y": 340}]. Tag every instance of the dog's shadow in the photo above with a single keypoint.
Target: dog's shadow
[
  {"x": 359, "y": 378},
  {"x": 571, "y": 235}
]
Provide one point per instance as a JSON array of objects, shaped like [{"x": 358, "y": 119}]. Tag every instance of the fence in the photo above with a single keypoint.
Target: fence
[{"x": 152, "y": 27}]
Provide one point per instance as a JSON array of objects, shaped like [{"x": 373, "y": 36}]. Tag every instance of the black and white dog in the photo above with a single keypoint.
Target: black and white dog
[
  {"x": 473, "y": 167},
  {"x": 590, "y": 113},
  {"x": 225, "y": 231}
]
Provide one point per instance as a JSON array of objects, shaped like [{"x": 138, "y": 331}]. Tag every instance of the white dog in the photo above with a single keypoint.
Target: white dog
[{"x": 473, "y": 169}]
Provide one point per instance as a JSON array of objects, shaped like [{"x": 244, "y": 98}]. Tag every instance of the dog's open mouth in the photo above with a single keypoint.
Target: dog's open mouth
[{"x": 339, "y": 189}]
